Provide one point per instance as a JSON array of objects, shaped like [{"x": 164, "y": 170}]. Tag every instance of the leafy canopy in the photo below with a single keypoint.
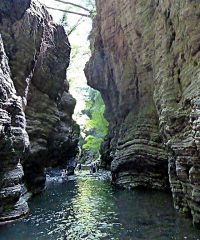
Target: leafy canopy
[{"x": 96, "y": 125}]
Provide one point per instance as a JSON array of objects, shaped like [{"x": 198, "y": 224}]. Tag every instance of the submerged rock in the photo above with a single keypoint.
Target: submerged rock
[
  {"x": 145, "y": 63},
  {"x": 35, "y": 106}
]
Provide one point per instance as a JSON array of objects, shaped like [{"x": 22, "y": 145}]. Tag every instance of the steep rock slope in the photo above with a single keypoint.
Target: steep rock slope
[
  {"x": 13, "y": 141},
  {"x": 38, "y": 54},
  {"x": 145, "y": 63},
  {"x": 121, "y": 69}
]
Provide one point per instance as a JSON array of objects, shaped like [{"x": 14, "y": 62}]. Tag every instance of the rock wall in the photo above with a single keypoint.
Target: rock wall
[
  {"x": 34, "y": 99},
  {"x": 145, "y": 63},
  {"x": 13, "y": 141}
]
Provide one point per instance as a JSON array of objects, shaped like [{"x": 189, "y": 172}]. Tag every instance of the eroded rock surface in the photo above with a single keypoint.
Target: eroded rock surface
[
  {"x": 13, "y": 142},
  {"x": 37, "y": 100},
  {"x": 145, "y": 63}
]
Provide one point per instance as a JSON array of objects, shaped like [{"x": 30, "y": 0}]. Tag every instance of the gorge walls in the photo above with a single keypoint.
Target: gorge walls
[
  {"x": 13, "y": 141},
  {"x": 36, "y": 126},
  {"x": 145, "y": 62}
]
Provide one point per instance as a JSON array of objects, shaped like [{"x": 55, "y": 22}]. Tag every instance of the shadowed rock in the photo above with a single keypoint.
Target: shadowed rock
[
  {"x": 38, "y": 54},
  {"x": 145, "y": 63},
  {"x": 13, "y": 142}
]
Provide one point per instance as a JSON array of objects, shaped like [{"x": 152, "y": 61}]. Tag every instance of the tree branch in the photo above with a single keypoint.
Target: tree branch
[
  {"x": 72, "y": 12},
  {"x": 75, "y": 26},
  {"x": 75, "y": 5}
]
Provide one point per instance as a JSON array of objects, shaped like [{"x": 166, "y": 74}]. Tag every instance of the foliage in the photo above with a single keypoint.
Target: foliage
[
  {"x": 70, "y": 27},
  {"x": 97, "y": 121},
  {"x": 87, "y": 8},
  {"x": 96, "y": 126},
  {"x": 92, "y": 143},
  {"x": 91, "y": 120}
]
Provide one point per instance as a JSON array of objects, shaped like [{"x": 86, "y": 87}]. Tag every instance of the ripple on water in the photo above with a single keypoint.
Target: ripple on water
[{"x": 88, "y": 207}]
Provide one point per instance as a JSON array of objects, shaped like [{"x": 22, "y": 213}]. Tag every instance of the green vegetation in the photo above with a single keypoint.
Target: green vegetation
[
  {"x": 89, "y": 111},
  {"x": 70, "y": 26},
  {"x": 96, "y": 125}
]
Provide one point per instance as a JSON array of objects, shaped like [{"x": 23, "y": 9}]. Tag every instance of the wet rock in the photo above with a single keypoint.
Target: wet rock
[
  {"x": 145, "y": 63},
  {"x": 36, "y": 102},
  {"x": 13, "y": 142},
  {"x": 120, "y": 68}
]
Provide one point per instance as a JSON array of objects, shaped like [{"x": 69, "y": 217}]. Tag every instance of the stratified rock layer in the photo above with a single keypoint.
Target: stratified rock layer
[
  {"x": 38, "y": 54},
  {"x": 145, "y": 63},
  {"x": 121, "y": 69},
  {"x": 13, "y": 141}
]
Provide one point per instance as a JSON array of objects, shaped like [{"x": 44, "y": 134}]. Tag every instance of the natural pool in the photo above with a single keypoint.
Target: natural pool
[{"x": 88, "y": 207}]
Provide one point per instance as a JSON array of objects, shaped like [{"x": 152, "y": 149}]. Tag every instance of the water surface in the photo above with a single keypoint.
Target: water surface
[{"x": 90, "y": 208}]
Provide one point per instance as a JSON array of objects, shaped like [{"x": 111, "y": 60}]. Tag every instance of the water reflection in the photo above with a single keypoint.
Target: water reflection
[
  {"x": 87, "y": 208},
  {"x": 93, "y": 211}
]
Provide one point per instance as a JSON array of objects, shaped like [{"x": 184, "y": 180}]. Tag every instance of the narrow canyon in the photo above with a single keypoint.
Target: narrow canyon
[{"x": 145, "y": 62}]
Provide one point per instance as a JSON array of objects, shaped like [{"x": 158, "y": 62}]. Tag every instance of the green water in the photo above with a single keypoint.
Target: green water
[{"x": 89, "y": 208}]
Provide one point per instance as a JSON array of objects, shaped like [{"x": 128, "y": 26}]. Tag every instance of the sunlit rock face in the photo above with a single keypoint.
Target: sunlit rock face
[
  {"x": 145, "y": 63},
  {"x": 35, "y": 96}
]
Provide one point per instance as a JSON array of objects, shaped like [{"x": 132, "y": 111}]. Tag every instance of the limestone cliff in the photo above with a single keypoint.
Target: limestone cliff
[
  {"x": 13, "y": 141},
  {"x": 145, "y": 63},
  {"x": 35, "y": 106}
]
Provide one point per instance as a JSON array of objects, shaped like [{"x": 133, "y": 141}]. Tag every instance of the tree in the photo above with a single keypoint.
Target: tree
[
  {"x": 96, "y": 126},
  {"x": 89, "y": 8},
  {"x": 70, "y": 29}
]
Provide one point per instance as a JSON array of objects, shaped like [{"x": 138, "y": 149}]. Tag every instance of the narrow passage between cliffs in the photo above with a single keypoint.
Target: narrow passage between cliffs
[{"x": 94, "y": 143}]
